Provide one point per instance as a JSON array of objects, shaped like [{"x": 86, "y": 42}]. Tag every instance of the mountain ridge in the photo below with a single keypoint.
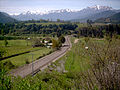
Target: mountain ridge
[
  {"x": 111, "y": 19},
  {"x": 63, "y": 14},
  {"x": 5, "y": 18}
]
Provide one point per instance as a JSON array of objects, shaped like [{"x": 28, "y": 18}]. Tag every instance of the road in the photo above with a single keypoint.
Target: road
[{"x": 42, "y": 63}]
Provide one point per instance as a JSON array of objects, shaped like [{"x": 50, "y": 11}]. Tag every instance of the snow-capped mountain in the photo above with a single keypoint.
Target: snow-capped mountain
[
  {"x": 48, "y": 12},
  {"x": 63, "y": 14},
  {"x": 60, "y": 11},
  {"x": 98, "y": 7}
]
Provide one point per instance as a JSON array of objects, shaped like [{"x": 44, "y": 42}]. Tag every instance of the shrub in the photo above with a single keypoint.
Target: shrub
[
  {"x": 105, "y": 66},
  {"x": 61, "y": 39},
  {"x": 56, "y": 44},
  {"x": 5, "y": 81},
  {"x": 2, "y": 52},
  {"x": 37, "y": 43},
  {"x": 8, "y": 65},
  {"x": 27, "y": 61}
]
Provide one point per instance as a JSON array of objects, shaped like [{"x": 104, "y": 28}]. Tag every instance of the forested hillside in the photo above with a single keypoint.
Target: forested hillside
[{"x": 5, "y": 18}]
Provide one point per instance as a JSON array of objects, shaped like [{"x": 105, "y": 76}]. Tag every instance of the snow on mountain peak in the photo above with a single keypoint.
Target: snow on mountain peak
[
  {"x": 38, "y": 12},
  {"x": 60, "y": 11},
  {"x": 98, "y": 7},
  {"x": 47, "y": 12}
]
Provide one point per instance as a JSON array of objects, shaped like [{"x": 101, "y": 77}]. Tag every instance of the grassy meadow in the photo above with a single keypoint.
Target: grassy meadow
[
  {"x": 21, "y": 59},
  {"x": 77, "y": 58},
  {"x": 16, "y": 47},
  {"x": 21, "y": 46}
]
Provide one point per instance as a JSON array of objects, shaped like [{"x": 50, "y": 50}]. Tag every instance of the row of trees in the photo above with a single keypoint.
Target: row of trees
[
  {"x": 58, "y": 29},
  {"x": 22, "y": 28},
  {"x": 98, "y": 31}
]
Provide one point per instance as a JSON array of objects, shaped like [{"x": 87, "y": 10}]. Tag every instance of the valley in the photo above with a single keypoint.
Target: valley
[{"x": 59, "y": 45}]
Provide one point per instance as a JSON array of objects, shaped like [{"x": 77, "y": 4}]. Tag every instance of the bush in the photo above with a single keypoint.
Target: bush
[
  {"x": 56, "y": 44},
  {"x": 6, "y": 42},
  {"x": 2, "y": 52},
  {"x": 27, "y": 61},
  {"x": 61, "y": 39},
  {"x": 37, "y": 43},
  {"x": 8, "y": 65},
  {"x": 105, "y": 65},
  {"x": 5, "y": 80}
]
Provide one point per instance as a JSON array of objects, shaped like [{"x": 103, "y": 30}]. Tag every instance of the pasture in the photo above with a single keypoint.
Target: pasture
[{"x": 21, "y": 46}]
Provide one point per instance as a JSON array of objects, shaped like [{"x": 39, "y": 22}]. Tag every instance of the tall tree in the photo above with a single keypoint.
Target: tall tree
[{"x": 5, "y": 41}]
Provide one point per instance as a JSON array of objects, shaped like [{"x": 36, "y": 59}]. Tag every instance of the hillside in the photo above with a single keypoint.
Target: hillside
[
  {"x": 112, "y": 19},
  {"x": 5, "y": 18},
  {"x": 93, "y": 17}
]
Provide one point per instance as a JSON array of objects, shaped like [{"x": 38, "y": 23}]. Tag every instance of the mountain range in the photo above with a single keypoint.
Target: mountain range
[
  {"x": 66, "y": 14},
  {"x": 93, "y": 13}
]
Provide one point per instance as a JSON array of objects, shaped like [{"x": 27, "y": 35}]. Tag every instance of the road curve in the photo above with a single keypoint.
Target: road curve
[{"x": 42, "y": 62}]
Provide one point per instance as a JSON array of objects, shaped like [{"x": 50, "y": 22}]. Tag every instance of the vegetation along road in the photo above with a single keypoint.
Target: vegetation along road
[{"x": 43, "y": 62}]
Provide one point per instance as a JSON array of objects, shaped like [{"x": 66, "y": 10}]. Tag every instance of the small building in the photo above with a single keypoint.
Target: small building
[
  {"x": 47, "y": 42},
  {"x": 50, "y": 44}
]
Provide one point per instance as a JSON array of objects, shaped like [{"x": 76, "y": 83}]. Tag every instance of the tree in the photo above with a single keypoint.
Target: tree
[
  {"x": 89, "y": 22},
  {"x": 58, "y": 20},
  {"x": 37, "y": 43},
  {"x": 56, "y": 44},
  {"x": 61, "y": 39},
  {"x": 58, "y": 34},
  {"x": 5, "y": 42},
  {"x": 2, "y": 32}
]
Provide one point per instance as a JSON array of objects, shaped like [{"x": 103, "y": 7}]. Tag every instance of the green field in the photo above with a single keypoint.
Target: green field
[
  {"x": 77, "y": 59},
  {"x": 21, "y": 46},
  {"x": 21, "y": 59},
  {"x": 16, "y": 46}
]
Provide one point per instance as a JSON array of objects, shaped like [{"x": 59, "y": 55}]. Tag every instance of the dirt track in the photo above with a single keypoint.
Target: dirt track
[{"x": 43, "y": 62}]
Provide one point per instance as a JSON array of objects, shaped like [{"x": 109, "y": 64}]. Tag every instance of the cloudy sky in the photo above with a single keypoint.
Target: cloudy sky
[{"x": 19, "y": 6}]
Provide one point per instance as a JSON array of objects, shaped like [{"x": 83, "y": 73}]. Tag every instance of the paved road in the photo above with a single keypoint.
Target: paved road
[{"x": 43, "y": 62}]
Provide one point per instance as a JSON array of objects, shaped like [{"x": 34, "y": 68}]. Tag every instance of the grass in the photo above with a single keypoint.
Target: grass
[
  {"x": 16, "y": 47},
  {"x": 82, "y": 25},
  {"x": 45, "y": 23},
  {"x": 76, "y": 60},
  {"x": 21, "y": 59},
  {"x": 20, "y": 46}
]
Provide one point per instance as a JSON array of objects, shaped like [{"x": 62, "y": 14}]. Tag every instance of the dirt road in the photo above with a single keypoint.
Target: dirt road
[{"x": 43, "y": 62}]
